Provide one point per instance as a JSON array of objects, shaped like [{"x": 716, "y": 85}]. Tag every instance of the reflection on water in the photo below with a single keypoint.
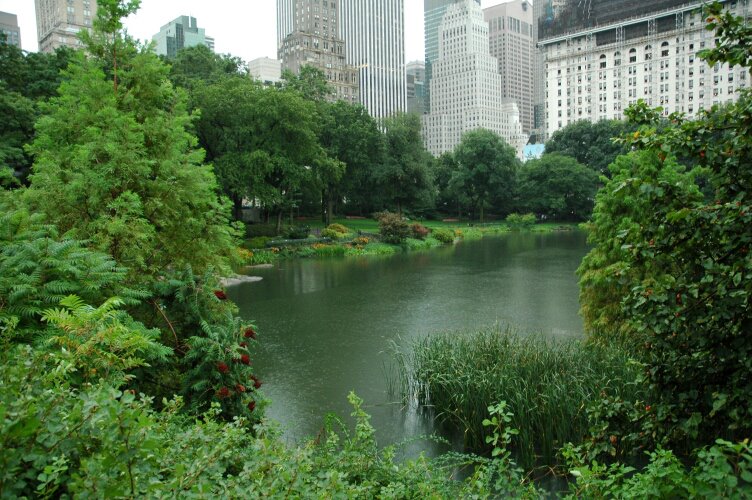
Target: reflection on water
[{"x": 325, "y": 325}]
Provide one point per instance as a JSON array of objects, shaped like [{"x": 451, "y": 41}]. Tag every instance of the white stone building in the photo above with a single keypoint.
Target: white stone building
[
  {"x": 596, "y": 73},
  {"x": 266, "y": 70},
  {"x": 511, "y": 43},
  {"x": 374, "y": 35},
  {"x": 466, "y": 88}
]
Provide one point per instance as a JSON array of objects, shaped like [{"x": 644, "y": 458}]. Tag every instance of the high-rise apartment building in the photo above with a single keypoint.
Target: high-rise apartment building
[
  {"x": 433, "y": 13},
  {"x": 599, "y": 61},
  {"x": 9, "y": 28},
  {"x": 267, "y": 71},
  {"x": 511, "y": 43},
  {"x": 374, "y": 34},
  {"x": 59, "y": 22},
  {"x": 180, "y": 33},
  {"x": 466, "y": 85},
  {"x": 416, "y": 87},
  {"x": 308, "y": 35}
]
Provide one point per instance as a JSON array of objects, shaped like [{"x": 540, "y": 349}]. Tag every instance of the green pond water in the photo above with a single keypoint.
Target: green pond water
[{"x": 325, "y": 325}]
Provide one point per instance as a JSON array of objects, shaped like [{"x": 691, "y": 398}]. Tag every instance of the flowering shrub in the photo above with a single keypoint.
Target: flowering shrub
[
  {"x": 393, "y": 228},
  {"x": 338, "y": 228},
  {"x": 361, "y": 240},
  {"x": 330, "y": 233},
  {"x": 419, "y": 231}
]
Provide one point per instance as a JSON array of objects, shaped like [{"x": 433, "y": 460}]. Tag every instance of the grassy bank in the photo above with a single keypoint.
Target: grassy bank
[
  {"x": 546, "y": 384},
  {"x": 361, "y": 239}
]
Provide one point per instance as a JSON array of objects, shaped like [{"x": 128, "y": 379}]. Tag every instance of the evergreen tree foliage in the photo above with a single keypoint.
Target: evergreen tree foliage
[{"x": 116, "y": 164}]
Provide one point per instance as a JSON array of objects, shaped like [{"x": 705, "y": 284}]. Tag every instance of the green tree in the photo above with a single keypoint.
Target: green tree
[
  {"x": 405, "y": 176},
  {"x": 486, "y": 170},
  {"x": 449, "y": 198},
  {"x": 689, "y": 309},
  {"x": 350, "y": 135},
  {"x": 249, "y": 132},
  {"x": 591, "y": 144},
  {"x": 310, "y": 83},
  {"x": 25, "y": 81},
  {"x": 116, "y": 164},
  {"x": 557, "y": 186},
  {"x": 197, "y": 65},
  {"x": 608, "y": 273}
]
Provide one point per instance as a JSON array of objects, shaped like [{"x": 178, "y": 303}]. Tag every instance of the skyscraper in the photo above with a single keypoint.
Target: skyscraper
[
  {"x": 307, "y": 35},
  {"x": 433, "y": 13},
  {"x": 180, "y": 33},
  {"x": 466, "y": 86},
  {"x": 9, "y": 28},
  {"x": 416, "y": 87},
  {"x": 374, "y": 34},
  {"x": 511, "y": 43},
  {"x": 59, "y": 21}
]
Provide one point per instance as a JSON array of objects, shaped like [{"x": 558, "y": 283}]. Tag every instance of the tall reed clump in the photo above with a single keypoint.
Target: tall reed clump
[{"x": 547, "y": 385}]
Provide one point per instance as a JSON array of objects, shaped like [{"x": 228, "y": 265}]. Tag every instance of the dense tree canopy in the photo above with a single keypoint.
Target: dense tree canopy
[
  {"x": 405, "y": 176},
  {"x": 486, "y": 170},
  {"x": 558, "y": 187},
  {"x": 591, "y": 144},
  {"x": 26, "y": 79}
]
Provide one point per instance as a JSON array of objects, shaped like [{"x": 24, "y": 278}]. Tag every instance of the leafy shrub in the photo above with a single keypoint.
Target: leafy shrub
[
  {"x": 261, "y": 257},
  {"x": 443, "y": 235},
  {"x": 393, "y": 228},
  {"x": 517, "y": 221},
  {"x": 361, "y": 240},
  {"x": 297, "y": 232},
  {"x": 419, "y": 231},
  {"x": 258, "y": 241},
  {"x": 63, "y": 442},
  {"x": 39, "y": 268},
  {"x": 339, "y": 228},
  {"x": 330, "y": 233},
  {"x": 723, "y": 470}
]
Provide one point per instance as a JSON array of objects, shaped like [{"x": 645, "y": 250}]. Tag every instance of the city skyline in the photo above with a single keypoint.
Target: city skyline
[{"x": 249, "y": 32}]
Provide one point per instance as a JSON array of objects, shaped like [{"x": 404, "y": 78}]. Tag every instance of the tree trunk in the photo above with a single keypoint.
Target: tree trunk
[
  {"x": 323, "y": 207},
  {"x": 399, "y": 208},
  {"x": 329, "y": 206},
  {"x": 237, "y": 207},
  {"x": 481, "y": 213},
  {"x": 279, "y": 221}
]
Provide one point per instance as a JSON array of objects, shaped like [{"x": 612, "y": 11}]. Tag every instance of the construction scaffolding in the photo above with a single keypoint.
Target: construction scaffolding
[{"x": 566, "y": 16}]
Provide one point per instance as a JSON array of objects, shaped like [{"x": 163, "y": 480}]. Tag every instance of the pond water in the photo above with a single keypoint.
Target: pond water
[{"x": 325, "y": 325}]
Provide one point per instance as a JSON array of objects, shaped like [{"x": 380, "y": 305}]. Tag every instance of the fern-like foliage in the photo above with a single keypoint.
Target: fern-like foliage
[
  {"x": 39, "y": 268},
  {"x": 216, "y": 345},
  {"x": 103, "y": 342}
]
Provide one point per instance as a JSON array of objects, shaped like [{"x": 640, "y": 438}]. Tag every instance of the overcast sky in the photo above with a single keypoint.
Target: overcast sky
[{"x": 244, "y": 28}]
